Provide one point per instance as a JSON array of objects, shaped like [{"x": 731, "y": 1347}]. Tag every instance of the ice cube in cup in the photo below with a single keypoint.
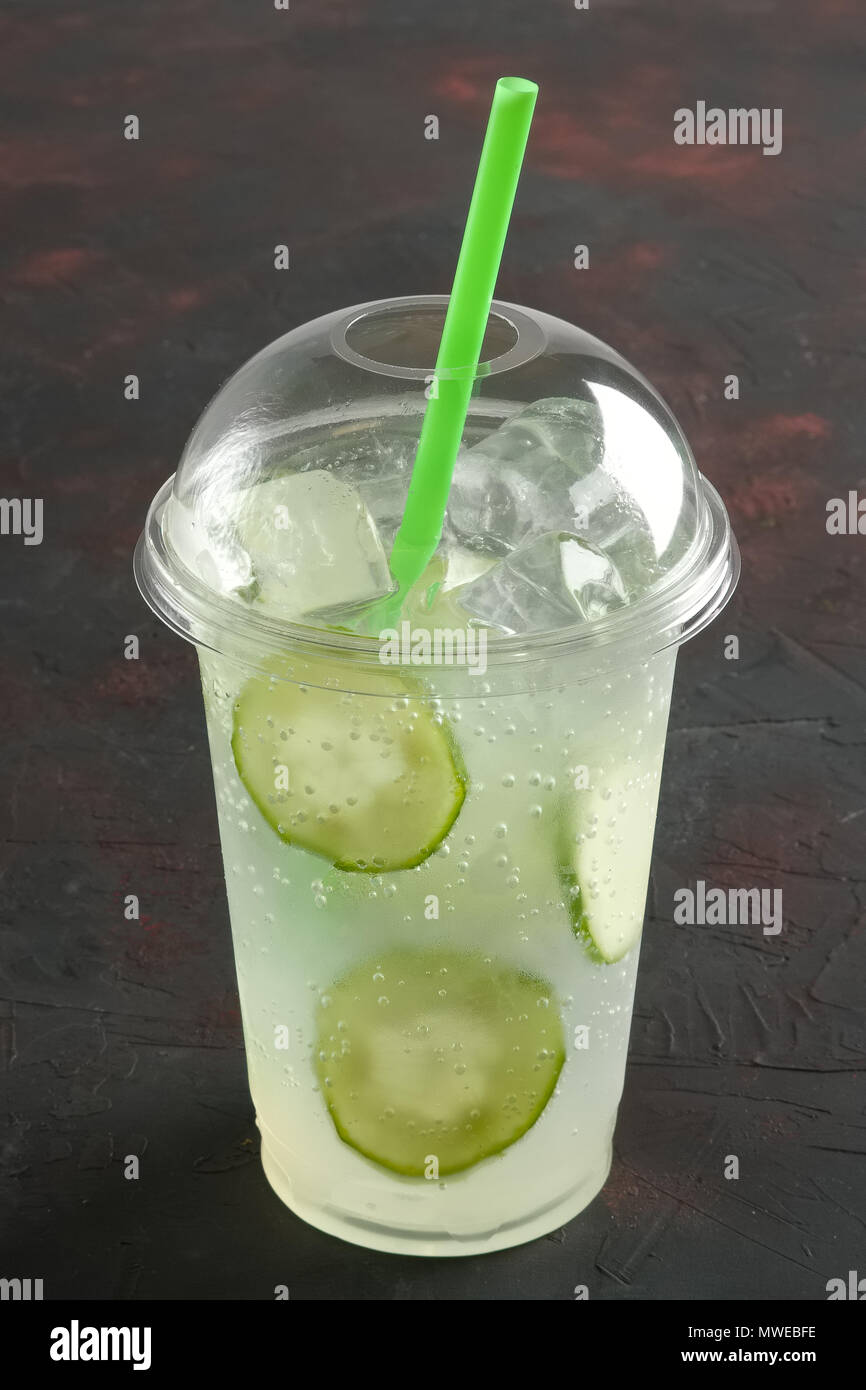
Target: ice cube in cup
[
  {"x": 542, "y": 470},
  {"x": 552, "y": 581},
  {"x": 561, "y": 427},
  {"x": 515, "y": 482},
  {"x": 312, "y": 543},
  {"x": 205, "y": 539}
]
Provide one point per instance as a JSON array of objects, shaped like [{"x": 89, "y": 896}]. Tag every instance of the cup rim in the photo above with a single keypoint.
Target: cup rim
[{"x": 697, "y": 588}]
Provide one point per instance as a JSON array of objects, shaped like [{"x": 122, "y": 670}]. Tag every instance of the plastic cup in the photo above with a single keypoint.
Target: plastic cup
[{"x": 436, "y": 1048}]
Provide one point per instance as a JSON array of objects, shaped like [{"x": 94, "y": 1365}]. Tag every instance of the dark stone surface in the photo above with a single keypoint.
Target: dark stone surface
[{"x": 156, "y": 258}]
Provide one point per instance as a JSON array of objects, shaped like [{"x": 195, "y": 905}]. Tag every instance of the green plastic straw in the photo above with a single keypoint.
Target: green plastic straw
[{"x": 463, "y": 334}]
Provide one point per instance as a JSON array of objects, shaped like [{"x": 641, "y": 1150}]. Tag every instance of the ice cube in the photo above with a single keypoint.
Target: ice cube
[
  {"x": 551, "y": 581},
  {"x": 206, "y": 541},
  {"x": 380, "y": 469},
  {"x": 542, "y": 470},
  {"x": 363, "y": 455},
  {"x": 434, "y": 599},
  {"x": 506, "y": 485},
  {"x": 562, "y": 427},
  {"x": 384, "y": 496},
  {"x": 312, "y": 543},
  {"x": 462, "y": 565}
]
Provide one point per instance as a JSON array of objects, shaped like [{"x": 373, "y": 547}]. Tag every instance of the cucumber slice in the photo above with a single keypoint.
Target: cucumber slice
[
  {"x": 436, "y": 1052},
  {"x": 371, "y": 782},
  {"x": 603, "y": 850}
]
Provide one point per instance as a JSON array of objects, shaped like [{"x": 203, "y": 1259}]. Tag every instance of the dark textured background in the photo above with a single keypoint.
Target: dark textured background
[{"x": 156, "y": 258}]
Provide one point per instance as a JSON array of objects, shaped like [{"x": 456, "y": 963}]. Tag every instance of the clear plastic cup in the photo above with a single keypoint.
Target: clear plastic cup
[{"x": 436, "y": 998}]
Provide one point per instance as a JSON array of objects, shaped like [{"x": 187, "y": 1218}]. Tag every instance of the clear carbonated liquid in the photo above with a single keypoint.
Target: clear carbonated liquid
[{"x": 491, "y": 890}]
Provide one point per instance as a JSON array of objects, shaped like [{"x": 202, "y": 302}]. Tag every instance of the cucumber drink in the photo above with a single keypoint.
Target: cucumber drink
[{"x": 437, "y": 871}]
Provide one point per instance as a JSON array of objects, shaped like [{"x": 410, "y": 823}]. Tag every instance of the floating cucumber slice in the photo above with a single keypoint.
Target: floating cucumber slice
[
  {"x": 371, "y": 782},
  {"x": 436, "y": 1052},
  {"x": 603, "y": 849}
]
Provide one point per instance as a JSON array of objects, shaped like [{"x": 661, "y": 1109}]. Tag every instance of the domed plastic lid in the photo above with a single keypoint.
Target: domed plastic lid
[{"x": 576, "y": 516}]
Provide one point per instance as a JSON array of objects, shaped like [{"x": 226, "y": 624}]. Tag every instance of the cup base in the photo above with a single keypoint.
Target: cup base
[{"x": 401, "y": 1241}]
